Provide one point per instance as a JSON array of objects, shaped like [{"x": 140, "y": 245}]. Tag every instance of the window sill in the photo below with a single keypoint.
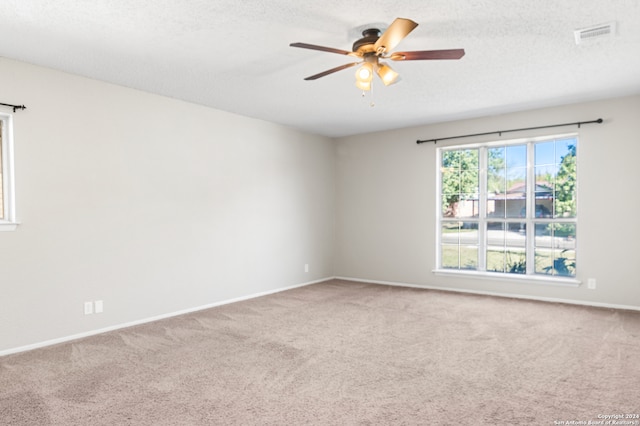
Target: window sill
[
  {"x": 8, "y": 226},
  {"x": 525, "y": 279}
]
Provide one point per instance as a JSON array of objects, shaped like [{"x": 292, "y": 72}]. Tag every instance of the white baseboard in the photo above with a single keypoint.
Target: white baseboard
[
  {"x": 265, "y": 293},
  {"x": 151, "y": 319},
  {"x": 497, "y": 294}
]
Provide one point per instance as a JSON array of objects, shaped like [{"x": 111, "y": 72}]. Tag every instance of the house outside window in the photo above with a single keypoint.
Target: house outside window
[
  {"x": 509, "y": 208},
  {"x": 7, "y": 195}
]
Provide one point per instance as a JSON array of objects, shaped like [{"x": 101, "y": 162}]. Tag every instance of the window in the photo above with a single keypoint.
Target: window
[
  {"x": 509, "y": 208},
  {"x": 7, "y": 205}
]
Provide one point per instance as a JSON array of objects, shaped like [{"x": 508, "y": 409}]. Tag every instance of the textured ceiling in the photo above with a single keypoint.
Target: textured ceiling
[{"x": 235, "y": 56}]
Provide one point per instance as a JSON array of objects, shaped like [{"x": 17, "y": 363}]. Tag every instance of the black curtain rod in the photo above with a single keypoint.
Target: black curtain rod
[
  {"x": 500, "y": 132},
  {"x": 15, "y": 107}
]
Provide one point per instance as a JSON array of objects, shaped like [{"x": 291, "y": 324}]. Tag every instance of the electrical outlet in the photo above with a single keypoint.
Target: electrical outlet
[
  {"x": 98, "y": 306},
  {"x": 88, "y": 308},
  {"x": 591, "y": 283},
  {"x": 306, "y": 267}
]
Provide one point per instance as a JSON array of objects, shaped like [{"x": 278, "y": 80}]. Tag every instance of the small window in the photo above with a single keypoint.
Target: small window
[
  {"x": 7, "y": 196},
  {"x": 509, "y": 208}
]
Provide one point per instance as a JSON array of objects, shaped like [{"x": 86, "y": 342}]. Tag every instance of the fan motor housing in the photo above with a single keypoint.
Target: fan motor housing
[{"x": 365, "y": 44}]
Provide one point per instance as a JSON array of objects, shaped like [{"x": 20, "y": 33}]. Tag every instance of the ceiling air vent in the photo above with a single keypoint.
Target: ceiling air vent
[{"x": 596, "y": 32}]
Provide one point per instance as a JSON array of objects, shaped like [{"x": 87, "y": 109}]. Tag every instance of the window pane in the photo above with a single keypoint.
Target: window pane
[
  {"x": 495, "y": 247},
  {"x": 468, "y": 206},
  {"x": 469, "y": 257},
  {"x": 459, "y": 248},
  {"x": 460, "y": 181},
  {"x": 564, "y": 263},
  {"x": 516, "y": 234},
  {"x": 497, "y": 181},
  {"x": 567, "y": 233},
  {"x": 469, "y": 181},
  {"x": 469, "y": 159},
  {"x": 450, "y": 232},
  {"x": 555, "y": 245},
  {"x": 543, "y": 208},
  {"x": 565, "y": 188},
  {"x": 469, "y": 233},
  {"x": 495, "y": 208},
  {"x": 544, "y": 193},
  {"x": 545, "y": 153},
  {"x": 452, "y": 178},
  {"x": 460, "y": 205},
  {"x": 496, "y": 259},
  {"x": 516, "y": 208},
  {"x": 463, "y": 159},
  {"x": 516, "y": 180},
  {"x": 496, "y": 170},
  {"x": 451, "y": 159},
  {"x": 544, "y": 261},
  {"x": 506, "y": 181},
  {"x": 556, "y": 176},
  {"x": 516, "y": 262},
  {"x": 543, "y": 235},
  {"x": 516, "y": 156},
  {"x": 459, "y": 233},
  {"x": 459, "y": 257},
  {"x": 565, "y": 205},
  {"x": 497, "y": 156},
  {"x": 506, "y": 247},
  {"x": 517, "y": 176},
  {"x": 556, "y": 262},
  {"x": 449, "y": 204},
  {"x": 450, "y": 256},
  {"x": 564, "y": 147},
  {"x": 545, "y": 178}
]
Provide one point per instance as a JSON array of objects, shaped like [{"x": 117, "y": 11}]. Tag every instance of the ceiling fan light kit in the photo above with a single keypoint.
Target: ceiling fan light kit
[
  {"x": 387, "y": 74},
  {"x": 364, "y": 76},
  {"x": 365, "y": 86},
  {"x": 374, "y": 46},
  {"x": 365, "y": 73}
]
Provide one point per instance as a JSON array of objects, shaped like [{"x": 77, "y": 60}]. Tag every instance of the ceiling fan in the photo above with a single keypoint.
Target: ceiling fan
[{"x": 373, "y": 47}]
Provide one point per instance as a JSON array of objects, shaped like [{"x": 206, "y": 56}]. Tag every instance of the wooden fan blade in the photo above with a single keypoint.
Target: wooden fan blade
[
  {"x": 323, "y": 49},
  {"x": 418, "y": 55},
  {"x": 398, "y": 30},
  {"x": 332, "y": 70}
]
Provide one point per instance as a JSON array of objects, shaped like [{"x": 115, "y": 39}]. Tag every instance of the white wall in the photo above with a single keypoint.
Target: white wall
[
  {"x": 156, "y": 205},
  {"x": 387, "y": 202},
  {"x": 151, "y": 204}
]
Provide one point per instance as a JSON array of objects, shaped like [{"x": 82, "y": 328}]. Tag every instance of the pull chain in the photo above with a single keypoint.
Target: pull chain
[
  {"x": 372, "y": 103},
  {"x": 364, "y": 94}
]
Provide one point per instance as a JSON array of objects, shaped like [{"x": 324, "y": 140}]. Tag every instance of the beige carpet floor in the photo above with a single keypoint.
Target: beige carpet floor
[{"x": 339, "y": 353}]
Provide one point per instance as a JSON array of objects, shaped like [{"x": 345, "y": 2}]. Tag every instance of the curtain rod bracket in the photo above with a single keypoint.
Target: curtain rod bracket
[
  {"x": 15, "y": 107},
  {"x": 500, "y": 132}
]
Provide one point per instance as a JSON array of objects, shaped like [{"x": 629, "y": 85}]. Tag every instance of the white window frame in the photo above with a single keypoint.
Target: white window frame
[
  {"x": 482, "y": 219},
  {"x": 8, "y": 222}
]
